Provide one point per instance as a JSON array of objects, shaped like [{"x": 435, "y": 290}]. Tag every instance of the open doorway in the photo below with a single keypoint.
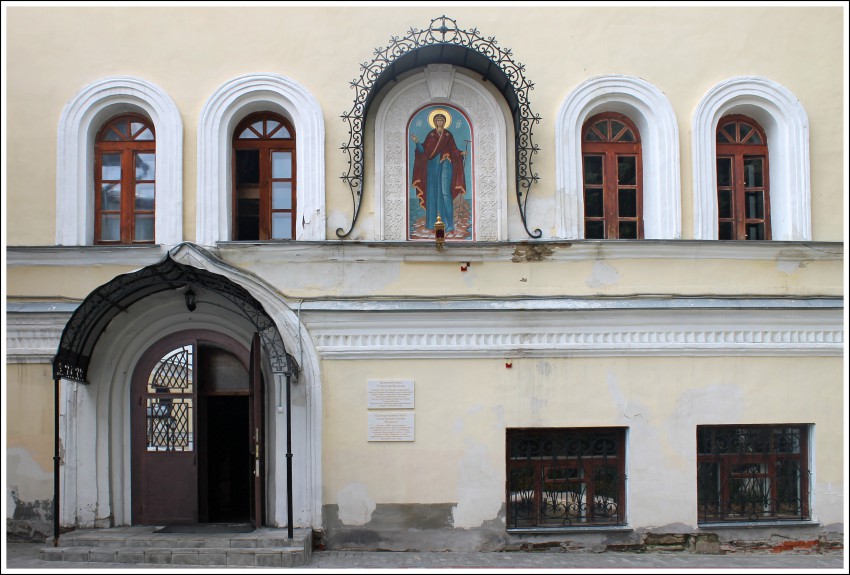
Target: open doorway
[{"x": 197, "y": 432}]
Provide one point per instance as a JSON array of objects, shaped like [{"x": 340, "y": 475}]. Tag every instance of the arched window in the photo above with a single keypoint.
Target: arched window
[
  {"x": 612, "y": 176},
  {"x": 743, "y": 202},
  {"x": 264, "y": 200},
  {"x": 125, "y": 181}
]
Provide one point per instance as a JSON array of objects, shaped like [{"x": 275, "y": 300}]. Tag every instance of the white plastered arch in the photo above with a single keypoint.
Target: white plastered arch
[
  {"x": 787, "y": 128},
  {"x": 223, "y": 110},
  {"x": 79, "y": 123},
  {"x": 96, "y": 432},
  {"x": 653, "y": 115},
  {"x": 434, "y": 85}
]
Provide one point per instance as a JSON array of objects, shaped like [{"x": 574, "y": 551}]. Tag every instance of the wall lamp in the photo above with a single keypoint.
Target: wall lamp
[
  {"x": 440, "y": 232},
  {"x": 190, "y": 299}
]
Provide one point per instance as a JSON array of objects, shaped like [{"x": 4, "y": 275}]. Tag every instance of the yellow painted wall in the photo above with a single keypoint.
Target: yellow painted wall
[
  {"x": 189, "y": 52},
  {"x": 57, "y": 282},
  {"x": 28, "y": 453},
  {"x": 621, "y": 277},
  {"x": 464, "y": 407}
]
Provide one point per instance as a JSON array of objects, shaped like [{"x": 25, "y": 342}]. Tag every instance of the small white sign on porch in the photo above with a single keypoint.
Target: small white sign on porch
[
  {"x": 391, "y": 426},
  {"x": 390, "y": 394}
]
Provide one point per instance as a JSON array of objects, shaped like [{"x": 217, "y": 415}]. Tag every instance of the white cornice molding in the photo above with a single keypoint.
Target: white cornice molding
[
  {"x": 33, "y": 337},
  {"x": 662, "y": 333},
  {"x": 223, "y": 110},
  {"x": 653, "y": 114},
  {"x": 787, "y": 127},
  {"x": 706, "y": 327},
  {"x": 81, "y": 118}
]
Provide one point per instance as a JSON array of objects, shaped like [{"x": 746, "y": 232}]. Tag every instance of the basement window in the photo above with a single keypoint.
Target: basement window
[
  {"x": 752, "y": 473},
  {"x": 563, "y": 477}
]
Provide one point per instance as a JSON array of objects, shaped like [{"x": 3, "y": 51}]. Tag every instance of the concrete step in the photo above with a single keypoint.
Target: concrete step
[
  {"x": 245, "y": 557},
  {"x": 264, "y": 547}
]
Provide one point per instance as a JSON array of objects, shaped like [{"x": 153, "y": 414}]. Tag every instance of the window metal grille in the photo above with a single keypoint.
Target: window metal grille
[
  {"x": 752, "y": 473},
  {"x": 563, "y": 477}
]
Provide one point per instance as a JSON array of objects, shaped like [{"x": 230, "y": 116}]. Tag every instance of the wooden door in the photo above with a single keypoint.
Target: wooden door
[
  {"x": 169, "y": 436},
  {"x": 257, "y": 432},
  {"x": 164, "y": 420}
]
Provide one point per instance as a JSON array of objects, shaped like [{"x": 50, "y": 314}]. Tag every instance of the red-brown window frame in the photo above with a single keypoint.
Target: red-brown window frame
[
  {"x": 266, "y": 145},
  {"x": 589, "y": 463},
  {"x": 611, "y": 150},
  {"x": 127, "y": 149},
  {"x": 726, "y": 461},
  {"x": 738, "y": 152}
]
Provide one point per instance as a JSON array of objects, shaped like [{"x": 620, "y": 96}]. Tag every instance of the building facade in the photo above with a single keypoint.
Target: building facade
[{"x": 483, "y": 279}]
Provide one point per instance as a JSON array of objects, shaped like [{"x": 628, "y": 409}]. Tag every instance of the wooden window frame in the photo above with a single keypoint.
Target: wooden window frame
[
  {"x": 128, "y": 148},
  {"x": 738, "y": 152},
  {"x": 534, "y": 513},
  {"x": 266, "y": 145},
  {"x": 725, "y": 462},
  {"x": 611, "y": 149}
]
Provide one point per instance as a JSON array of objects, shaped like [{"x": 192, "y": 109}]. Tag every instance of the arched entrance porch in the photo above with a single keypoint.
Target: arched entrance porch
[{"x": 105, "y": 341}]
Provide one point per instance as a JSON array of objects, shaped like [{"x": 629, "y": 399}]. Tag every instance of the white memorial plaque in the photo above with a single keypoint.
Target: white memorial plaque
[
  {"x": 390, "y": 394},
  {"x": 391, "y": 426}
]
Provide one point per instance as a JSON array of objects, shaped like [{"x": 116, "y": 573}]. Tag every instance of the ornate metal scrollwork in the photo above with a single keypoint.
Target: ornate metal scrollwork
[
  {"x": 500, "y": 63},
  {"x": 97, "y": 310}
]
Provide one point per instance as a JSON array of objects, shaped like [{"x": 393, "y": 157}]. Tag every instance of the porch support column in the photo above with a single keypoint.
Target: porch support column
[{"x": 56, "y": 462}]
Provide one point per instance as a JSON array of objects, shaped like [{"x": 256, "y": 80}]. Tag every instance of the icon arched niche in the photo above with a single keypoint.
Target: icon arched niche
[{"x": 442, "y": 84}]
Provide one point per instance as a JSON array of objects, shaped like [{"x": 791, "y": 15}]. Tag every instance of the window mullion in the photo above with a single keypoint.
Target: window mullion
[
  {"x": 128, "y": 173},
  {"x": 739, "y": 208},
  {"x": 265, "y": 193},
  {"x": 609, "y": 179}
]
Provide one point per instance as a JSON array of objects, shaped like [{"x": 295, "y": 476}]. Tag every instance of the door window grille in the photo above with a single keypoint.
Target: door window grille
[{"x": 169, "y": 402}]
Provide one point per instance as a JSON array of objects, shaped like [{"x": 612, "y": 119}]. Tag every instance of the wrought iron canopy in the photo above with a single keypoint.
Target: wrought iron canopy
[
  {"x": 445, "y": 43},
  {"x": 100, "y": 307}
]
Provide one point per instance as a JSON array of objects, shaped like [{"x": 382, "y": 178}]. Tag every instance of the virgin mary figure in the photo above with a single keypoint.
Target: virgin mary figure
[{"x": 438, "y": 174}]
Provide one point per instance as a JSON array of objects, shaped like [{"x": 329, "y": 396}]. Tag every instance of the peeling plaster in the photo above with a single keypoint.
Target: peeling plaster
[
  {"x": 480, "y": 489},
  {"x": 630, "y": 407},
  {"x": 603, "y": 275},
  {"x": 537, "y": 406},
  {"x": 355, "y": 504},
  {"x": 531, "y": 253},
  {"x": 33, "y": 482},
  {"x": 789, "y": 266}
]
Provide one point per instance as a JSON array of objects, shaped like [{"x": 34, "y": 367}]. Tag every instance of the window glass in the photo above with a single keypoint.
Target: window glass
[
  {"x": 264, "y": 178},
  {"x": 144, "y": 227},
  {"x": 743, "y": 195},
  {"x": 281, "y": 164},
  {"x": 111, "y": 166},
  {"x": 613, "y": 194},
  {"x": 145, "y": 167},
  {"x": 111, "y": 197},
  {"x": 125, "y": 178}
]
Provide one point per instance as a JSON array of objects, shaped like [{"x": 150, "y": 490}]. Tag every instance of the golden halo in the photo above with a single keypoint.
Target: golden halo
[{"x": 442, "y": 111}]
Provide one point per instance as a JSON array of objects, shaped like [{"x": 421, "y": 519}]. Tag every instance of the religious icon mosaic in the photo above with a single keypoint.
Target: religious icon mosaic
[{"x": 440, "y": 173}]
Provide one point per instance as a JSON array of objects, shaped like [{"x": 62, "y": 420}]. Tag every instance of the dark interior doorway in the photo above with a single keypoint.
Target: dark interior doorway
[{"x": 228, "y": 459}]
